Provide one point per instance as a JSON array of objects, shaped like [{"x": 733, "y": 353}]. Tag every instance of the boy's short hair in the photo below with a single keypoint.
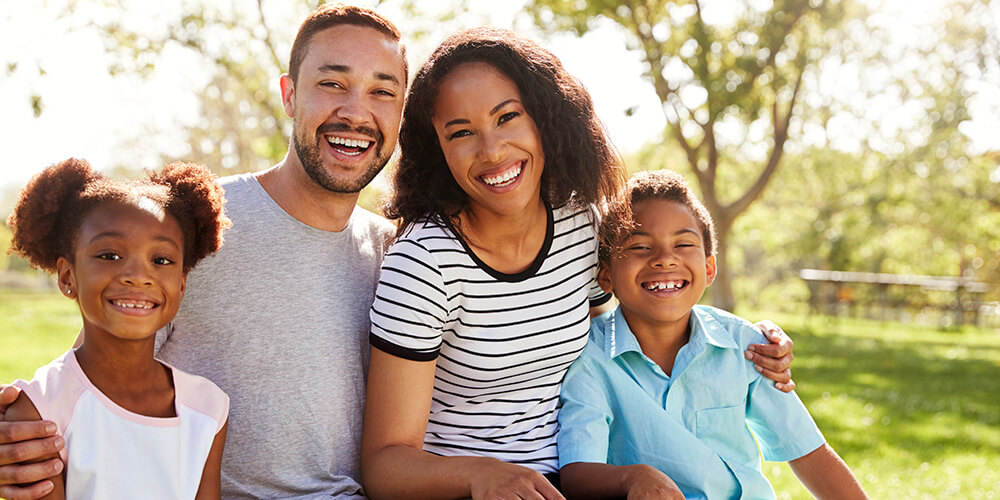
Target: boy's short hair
[
  {"x": 330, "y": 15},
  {"x": 664, "y": 184}
]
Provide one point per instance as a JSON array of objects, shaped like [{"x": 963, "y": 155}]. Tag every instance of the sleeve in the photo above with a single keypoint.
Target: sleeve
[
  {"x": 585, "y": 417},
  {"x": 410, "y": 304},
  {"x": 781, "y": 423}
]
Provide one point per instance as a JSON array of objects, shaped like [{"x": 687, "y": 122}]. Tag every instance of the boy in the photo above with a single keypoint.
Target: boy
[{"x": 662, "y": 403}]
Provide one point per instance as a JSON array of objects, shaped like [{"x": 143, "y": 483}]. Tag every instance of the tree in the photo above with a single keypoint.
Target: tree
[{"x": 728, "y": 76}]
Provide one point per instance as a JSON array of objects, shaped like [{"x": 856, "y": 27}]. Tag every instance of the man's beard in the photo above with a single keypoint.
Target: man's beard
[{"x": 312, "y": 161}]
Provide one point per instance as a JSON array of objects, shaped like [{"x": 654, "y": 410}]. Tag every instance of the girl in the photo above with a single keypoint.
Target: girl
[
  {"x": 134, "y": 427},
  {"x": 484, "y": 298}
]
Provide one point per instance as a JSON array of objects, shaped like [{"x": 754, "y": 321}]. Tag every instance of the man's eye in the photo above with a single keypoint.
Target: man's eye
[{"x": 333, "y": 85}]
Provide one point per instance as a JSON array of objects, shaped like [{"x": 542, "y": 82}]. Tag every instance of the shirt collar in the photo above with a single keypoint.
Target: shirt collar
[{"x": 705, "y": 329}]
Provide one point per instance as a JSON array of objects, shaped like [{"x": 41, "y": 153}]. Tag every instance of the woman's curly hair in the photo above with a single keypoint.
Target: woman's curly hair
[
  {"x": 619, "y": 221},
  {"x": 54, "y": 203},
  {"x": 581, "y": 165}
]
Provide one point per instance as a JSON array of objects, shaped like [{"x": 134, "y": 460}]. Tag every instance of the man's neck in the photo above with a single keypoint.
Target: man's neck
[{"x": 291, "y": 188}]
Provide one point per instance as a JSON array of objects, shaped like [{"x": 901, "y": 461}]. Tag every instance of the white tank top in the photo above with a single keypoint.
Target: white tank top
[{"x": 113, "y": 453}]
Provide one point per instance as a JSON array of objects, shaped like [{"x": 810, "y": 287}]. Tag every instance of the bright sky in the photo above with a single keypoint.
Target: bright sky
[{"x": 106, "y": 120}]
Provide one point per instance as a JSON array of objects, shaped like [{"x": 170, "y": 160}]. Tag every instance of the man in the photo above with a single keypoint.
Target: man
[{"x": 279, "y": 318}]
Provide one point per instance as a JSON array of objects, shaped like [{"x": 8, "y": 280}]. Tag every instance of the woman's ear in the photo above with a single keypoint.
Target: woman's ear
[{"x": 66, "y": 278}]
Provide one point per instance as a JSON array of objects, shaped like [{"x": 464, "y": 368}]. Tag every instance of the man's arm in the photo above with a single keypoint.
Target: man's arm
[
  {"x": 826, "y": 475},
  {"x": 22, "y": 411}
]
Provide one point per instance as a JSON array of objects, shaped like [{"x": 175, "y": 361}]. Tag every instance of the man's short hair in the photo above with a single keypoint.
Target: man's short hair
[{"x": 335, "y": 14}]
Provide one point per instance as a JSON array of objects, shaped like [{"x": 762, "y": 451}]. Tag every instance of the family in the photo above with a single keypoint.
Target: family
[{"x": 471, "y": 349}]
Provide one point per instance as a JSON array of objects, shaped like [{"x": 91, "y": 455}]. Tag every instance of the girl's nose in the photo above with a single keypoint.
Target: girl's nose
[{"x": 493, "y": 147}]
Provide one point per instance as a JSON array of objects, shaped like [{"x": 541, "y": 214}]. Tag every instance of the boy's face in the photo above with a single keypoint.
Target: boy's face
[{"x": 661, "y": 270}]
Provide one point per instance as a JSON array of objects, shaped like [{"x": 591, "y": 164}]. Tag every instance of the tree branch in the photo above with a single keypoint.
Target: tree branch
[{"x": 780, "y": 135}]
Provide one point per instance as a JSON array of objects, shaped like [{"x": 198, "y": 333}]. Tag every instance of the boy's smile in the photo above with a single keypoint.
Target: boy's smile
[{"x": 661, "y": 271}]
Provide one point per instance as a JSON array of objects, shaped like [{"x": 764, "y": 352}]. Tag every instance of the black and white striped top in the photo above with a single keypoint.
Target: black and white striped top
[{"x": 502, "y": 341}]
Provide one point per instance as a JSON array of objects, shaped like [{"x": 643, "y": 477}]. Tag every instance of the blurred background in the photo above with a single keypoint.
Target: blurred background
[{"x": 849, "y": 152}]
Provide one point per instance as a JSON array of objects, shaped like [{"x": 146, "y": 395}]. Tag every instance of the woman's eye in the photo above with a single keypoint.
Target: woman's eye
[
  {"x": 109, "y": 256},
  {"x": 460, "y": 133},
  {"x": 508, "y": 116}
]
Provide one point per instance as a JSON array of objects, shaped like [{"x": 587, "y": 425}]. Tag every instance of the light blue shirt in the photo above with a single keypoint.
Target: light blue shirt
[{"x": 697, "y": 426}]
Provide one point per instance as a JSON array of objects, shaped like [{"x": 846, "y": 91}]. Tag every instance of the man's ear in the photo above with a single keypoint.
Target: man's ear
[
  {"x": 604, "y": 278},
  {"x": 66, "y": 278},
  {"x": 710, "y": 270},
  {"x": 287, "y": 94}
]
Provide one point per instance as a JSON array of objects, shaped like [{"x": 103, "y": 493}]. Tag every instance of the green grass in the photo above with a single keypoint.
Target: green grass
[
  {"x": 36, "y": 327},
  {"x": 914, "y": 411}
]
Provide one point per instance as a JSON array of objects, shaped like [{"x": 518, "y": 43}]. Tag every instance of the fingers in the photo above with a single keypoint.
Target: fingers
[
  {"x": 8, "y": 394},
  {"x": 33, "y": 492},
  {"x": 28, "y": 450},
  {"x": 31, "y": 473},
  {"x": 16, "y": 432},
  {"x": 780, "y": 343},
  {"x": 782, "y": 380}
]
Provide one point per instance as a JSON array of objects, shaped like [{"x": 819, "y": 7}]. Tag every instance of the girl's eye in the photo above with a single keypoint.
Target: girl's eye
[
  {"x": 163, "y": 261},
  {"x": 109, "y": 256},
  {"x": 506, "y": 117}
]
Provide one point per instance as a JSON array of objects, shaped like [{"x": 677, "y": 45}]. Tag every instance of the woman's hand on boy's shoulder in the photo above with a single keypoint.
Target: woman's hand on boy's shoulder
[
  {"x": 23, "y": 443},
  {"x": 773, "y": 360}
]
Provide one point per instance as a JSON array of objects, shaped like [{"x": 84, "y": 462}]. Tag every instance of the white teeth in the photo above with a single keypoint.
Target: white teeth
[
  {"x": 504, "y": 178},
  {"x": 663, "y": 285},
  {"x": 351, "y": 143},
  {"x": 131, "y": 304}
]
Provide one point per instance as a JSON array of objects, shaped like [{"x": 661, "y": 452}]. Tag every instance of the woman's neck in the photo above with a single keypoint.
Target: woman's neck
[{"x": 507, "y": 243}]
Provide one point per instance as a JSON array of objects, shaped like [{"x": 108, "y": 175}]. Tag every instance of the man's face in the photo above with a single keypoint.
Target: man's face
[{"x": 346, "y": 106}]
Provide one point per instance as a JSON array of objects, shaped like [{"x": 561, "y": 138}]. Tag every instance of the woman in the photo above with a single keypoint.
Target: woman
[{"x": 485, "y": 296}]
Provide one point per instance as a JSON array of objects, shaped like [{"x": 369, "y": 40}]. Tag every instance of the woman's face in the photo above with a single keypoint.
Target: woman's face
[{"x": 491, "y": 144}]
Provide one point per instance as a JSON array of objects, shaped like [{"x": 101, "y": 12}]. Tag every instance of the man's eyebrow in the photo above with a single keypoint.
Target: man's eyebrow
[{"x": 343, "y": 68}]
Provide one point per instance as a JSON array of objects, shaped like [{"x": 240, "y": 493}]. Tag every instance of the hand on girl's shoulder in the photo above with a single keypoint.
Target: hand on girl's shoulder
[{"x": 22, "y": 409}]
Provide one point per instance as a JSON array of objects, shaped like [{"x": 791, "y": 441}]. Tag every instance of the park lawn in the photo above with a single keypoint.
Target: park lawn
[
  {"x": 914, "y": 411},
  {"x": 36, "y": 327}
]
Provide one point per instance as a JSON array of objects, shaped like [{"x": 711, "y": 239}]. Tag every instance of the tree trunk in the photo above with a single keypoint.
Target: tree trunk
[{"x": 722, "y": 287}]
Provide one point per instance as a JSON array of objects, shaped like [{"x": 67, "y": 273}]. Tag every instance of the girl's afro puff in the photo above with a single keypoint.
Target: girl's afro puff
[{"x": 52, "y": 206}]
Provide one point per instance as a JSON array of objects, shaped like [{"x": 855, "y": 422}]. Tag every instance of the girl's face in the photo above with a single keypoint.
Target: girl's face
[
  {"x": 127, "y": 270},
  {"x": 491, "y": 144}
]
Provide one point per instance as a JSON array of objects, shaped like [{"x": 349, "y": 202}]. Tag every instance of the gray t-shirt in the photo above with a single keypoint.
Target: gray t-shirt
[{"x": 279, "y": 320}]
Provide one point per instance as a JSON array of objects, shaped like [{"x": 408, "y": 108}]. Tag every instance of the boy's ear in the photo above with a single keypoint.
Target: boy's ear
[
  {"x": 710, "y": 270},
  {"x": 65, "y": 278},
  {"x": 604, "y": 278}
]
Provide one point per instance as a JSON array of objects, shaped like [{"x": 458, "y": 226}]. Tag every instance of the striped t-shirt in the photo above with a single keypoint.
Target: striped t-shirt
[{"x": 502, "y": 341}]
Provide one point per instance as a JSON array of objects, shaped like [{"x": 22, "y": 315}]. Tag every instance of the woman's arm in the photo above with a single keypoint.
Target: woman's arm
[
  {"x": 826, "y": 475},
  {"x": 587, "y": 480},
  {"x": 23, "y": 410},
  {"x": 211, "y": 476},
  {"x": 773, "y": 360},
  {"x": 393, "y": 463}
]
